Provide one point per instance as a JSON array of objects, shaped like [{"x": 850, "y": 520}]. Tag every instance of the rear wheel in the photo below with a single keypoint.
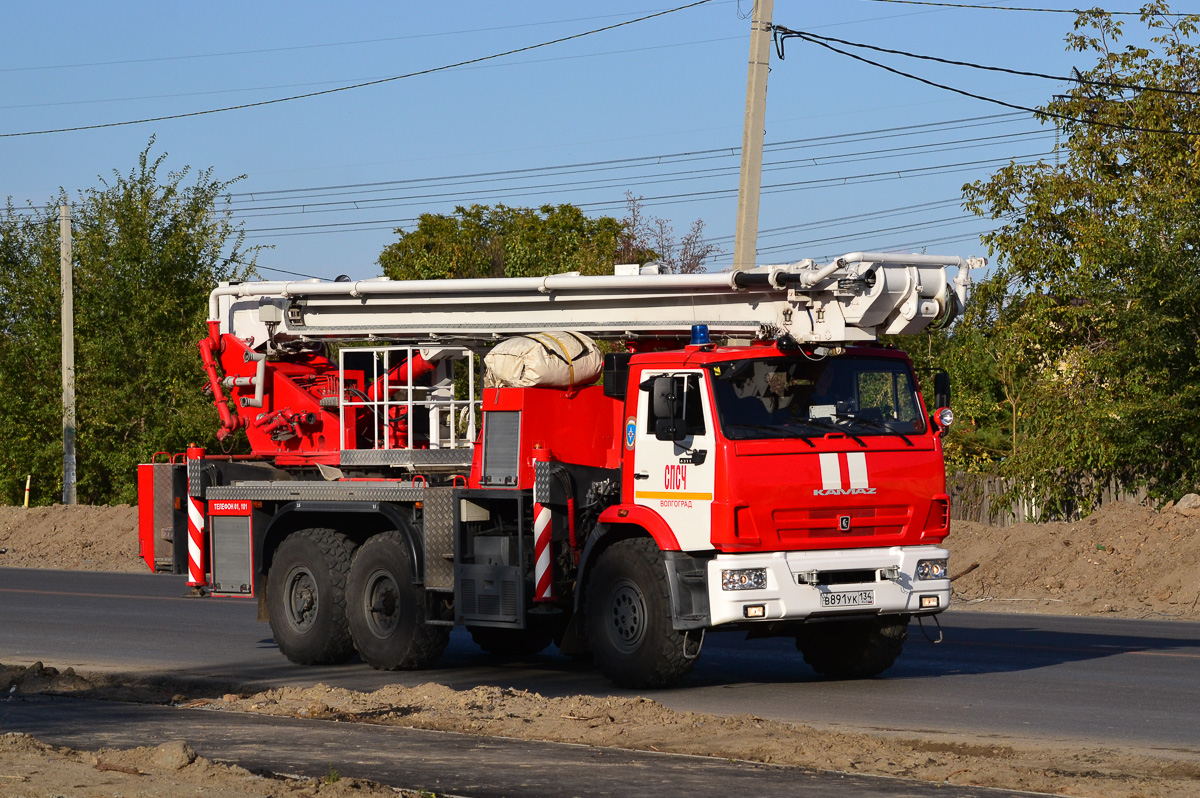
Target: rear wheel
[
  {"x": 306, "y": 597},
  {"x": 853, "y": 649},
  {"x": 628, "y": 615},
  {"x": 386, "y": 608}
]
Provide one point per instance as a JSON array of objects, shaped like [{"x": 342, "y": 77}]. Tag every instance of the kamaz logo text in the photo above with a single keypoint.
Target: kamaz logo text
[
  {"x": 844, "y": 492},
  {"x": 855, "y": 468}
]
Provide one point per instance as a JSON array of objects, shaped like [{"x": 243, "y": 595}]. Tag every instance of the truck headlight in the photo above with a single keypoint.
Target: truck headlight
[
  {"x": 931, "y": 569},
  {"x": 744, "y": 579}
]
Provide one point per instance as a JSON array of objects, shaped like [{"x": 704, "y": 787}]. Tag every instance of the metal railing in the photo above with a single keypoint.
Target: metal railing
[{"x": 405, "y": 411}]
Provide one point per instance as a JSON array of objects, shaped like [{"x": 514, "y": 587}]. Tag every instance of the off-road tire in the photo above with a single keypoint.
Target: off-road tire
[
  {"x": 517, "y": 643},
  {"x": 627, "y": 611},
  {"x": 853, "y": 649},
  {"x": 306, "y": 597},
  {"x": 386, "y": 609}
]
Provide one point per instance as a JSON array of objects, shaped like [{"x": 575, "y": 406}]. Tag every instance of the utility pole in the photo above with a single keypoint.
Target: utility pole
[
  {"x": 745, "y": 247},
  {"x": 68, "y": 352}
]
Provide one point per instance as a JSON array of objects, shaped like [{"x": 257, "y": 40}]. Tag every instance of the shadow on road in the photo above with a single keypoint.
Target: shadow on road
[{"x": 980, "y": 647}]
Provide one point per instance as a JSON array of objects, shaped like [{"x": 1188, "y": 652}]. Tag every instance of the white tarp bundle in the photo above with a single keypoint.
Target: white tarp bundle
[{"x": 563, "y": 358}]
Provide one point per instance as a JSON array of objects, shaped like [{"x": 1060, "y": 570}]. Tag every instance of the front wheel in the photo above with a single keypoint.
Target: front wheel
[
  {"x": 853, "y": 649},
  {"x": 306, "y": 597},
  {"x": 628, "y": 616},
  {"x": 386, "y": 609}
]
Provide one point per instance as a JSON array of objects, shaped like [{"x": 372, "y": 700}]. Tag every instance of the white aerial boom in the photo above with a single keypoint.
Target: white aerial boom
[{"x": 857, "y": 297}]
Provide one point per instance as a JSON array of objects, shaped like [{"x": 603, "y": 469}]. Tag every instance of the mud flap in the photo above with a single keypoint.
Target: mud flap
[
  {"x": 688, "y": 580},
  {"x": 574, "y": 638}
]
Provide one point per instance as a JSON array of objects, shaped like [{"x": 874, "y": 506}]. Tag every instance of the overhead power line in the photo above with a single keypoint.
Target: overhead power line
[
  {"x": 283, "y": 271},
  {"x": 907, "y": 246},
  {"x": 318, "y": 46},
  {"x": 625, "y": 181},
  {"x": 1003, "y": 103},
  {"x": 365, "y": 84},
  {"x": 904, "y": 210},
  {"x": 923, "y": 224},
  {"x": 1077, "y": 78},
  {"x": 1020, "y": 8},
  {"x": 683, "y": 197},
  {"x": 420, "y": 199},
  {"x": 631, "y": 162},
  {"x": 248, "y": 202},
  {"x": 244, "y": 90}
]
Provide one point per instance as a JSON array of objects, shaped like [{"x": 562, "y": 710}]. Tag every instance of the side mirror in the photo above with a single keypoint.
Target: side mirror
[
  {"x": 663, "y": 401},
  {"x": 941, "y": 389},
  {"x": 667, "y": 406}
]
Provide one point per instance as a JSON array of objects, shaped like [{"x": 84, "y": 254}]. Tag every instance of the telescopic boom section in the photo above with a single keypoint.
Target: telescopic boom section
[
  {"x": 265, "y": 352},
  {"x": 854, "y": 298}
]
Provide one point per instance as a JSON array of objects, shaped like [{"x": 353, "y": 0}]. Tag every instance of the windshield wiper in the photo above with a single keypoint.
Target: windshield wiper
[
  {"x": 768, "y": 428},
  {"x": 873, "y": 424},
  {"x": 832, "y": 426}
]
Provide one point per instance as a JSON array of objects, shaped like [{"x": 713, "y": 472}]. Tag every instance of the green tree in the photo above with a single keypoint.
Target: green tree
[
  {"x": 147, "y": 251},
  {"x": 1090, "y": 314},
  {"x": 978, "y": 440},
  {"x": 499, "y": 241}
]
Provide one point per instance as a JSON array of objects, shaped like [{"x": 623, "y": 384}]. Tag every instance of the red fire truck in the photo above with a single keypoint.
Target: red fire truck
[{"x": 432, "y": 453}]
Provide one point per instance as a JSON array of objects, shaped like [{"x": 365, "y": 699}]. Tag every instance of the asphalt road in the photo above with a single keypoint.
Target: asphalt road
[{"x": 1109, "y": 681}]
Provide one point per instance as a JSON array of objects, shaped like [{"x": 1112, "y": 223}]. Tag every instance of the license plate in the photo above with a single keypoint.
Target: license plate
[{"x": 859, "y": 598}]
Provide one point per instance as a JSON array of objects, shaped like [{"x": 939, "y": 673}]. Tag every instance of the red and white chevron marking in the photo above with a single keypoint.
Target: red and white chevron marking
[
  {"x": 541, "y": 554},
  {"x": 195, "y": 542}
]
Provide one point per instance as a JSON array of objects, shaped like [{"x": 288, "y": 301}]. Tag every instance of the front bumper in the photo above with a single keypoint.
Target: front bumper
[{"x": 887, "y": 577}]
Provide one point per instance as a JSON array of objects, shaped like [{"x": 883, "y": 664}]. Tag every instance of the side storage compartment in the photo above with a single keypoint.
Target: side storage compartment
[
  {"x": 231, "y": 554},
  {"x": 491, "y": 557},
  {"x": 162, "y": 516}
]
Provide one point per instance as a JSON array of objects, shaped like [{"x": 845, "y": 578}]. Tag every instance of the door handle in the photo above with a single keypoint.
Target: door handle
[{"x": 641, "y": 475}]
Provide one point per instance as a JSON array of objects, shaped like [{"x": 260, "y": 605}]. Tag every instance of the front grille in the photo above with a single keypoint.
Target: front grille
[{"x": 826, "y": 522}]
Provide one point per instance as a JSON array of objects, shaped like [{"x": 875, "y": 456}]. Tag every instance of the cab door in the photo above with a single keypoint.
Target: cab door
[{"x": 674, "y": 459}]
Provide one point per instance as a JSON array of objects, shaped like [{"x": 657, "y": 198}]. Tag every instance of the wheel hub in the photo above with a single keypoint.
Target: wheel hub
[
  {"x": 381, "y": 602},
  {"x": 628, "y": 615},
  {"x": 302, "y": 599}
]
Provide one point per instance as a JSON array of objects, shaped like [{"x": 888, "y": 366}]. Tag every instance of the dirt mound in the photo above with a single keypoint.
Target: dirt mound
[
  {"x": 29, "y": 767},
  {"x": 78, "y": 538},
  {"x": 607, "y": 721},
  {"x": 38, "y": 679},
  {"x": 646, "y": 725},
  {"x": 1125, "y": 559}
]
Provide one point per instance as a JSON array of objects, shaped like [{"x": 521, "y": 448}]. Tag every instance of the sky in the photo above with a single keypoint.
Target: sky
[{"x": 856, "y": 158}]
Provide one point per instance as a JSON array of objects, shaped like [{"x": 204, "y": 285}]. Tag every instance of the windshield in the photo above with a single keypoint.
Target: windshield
[{"x": 797, "y": 397}]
